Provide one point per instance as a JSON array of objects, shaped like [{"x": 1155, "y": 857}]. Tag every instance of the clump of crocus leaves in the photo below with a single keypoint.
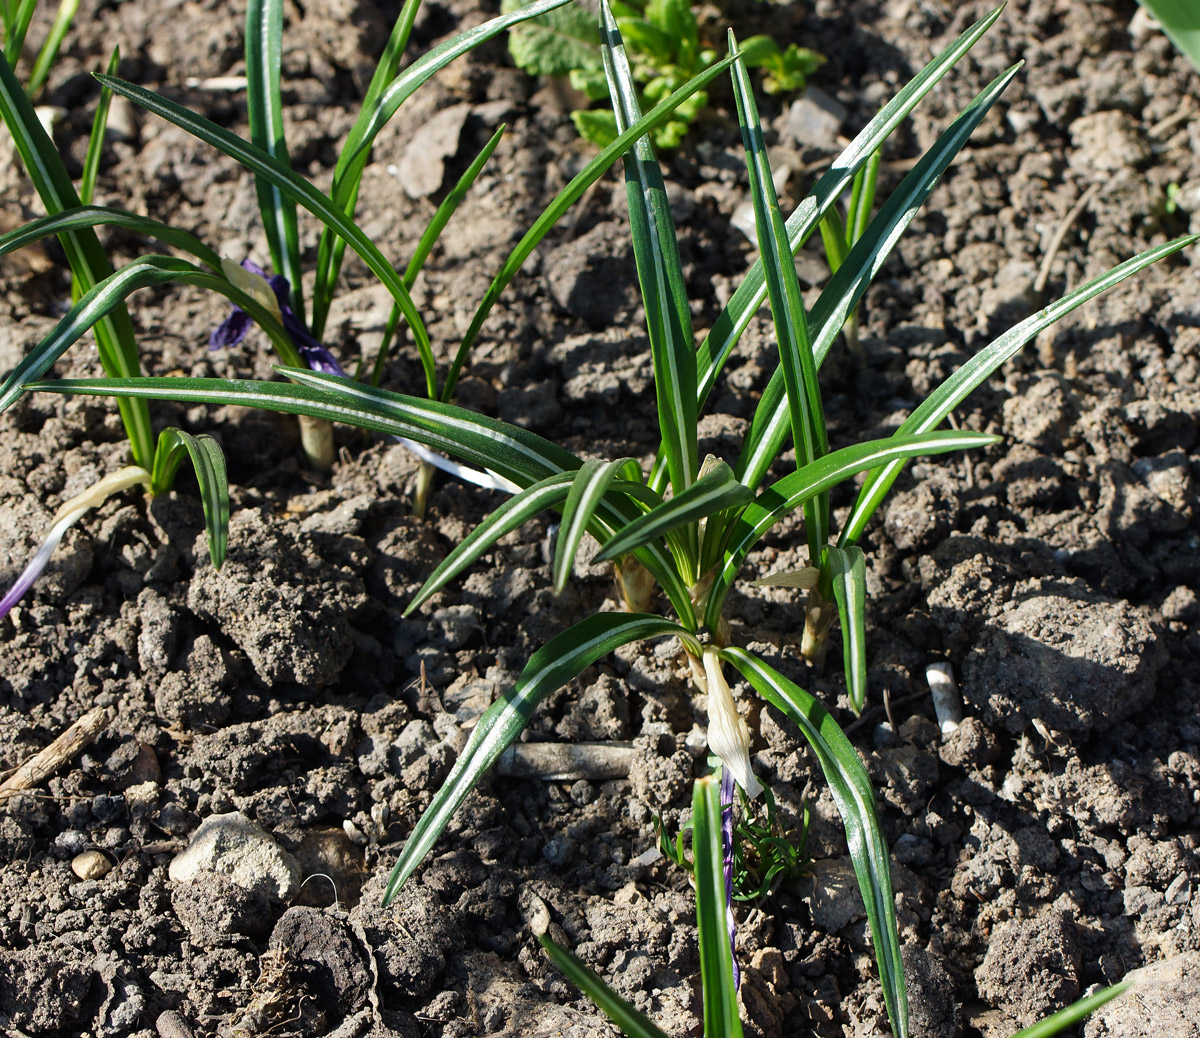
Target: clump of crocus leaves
[{"x": 686, "y": 525}]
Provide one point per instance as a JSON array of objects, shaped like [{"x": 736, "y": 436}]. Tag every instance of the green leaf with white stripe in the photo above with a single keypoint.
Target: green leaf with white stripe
[
  {"x": 848, "y": 568},
  {"x": 109, "y": 294},
  {"x": 660, "y": 272},
  {"x": 588, "y": 488},
  {"x": 383, "y": 100},
  {"x": 789, "y": 493},
  {"x": 563, "y": 201},
  {"x": 768, "y": 429},
  {"x": 632, "y": 1021},
  {"x": 517, "y": 510},
  {"x": 514, "y": 453},
  {"x": 264, "y": 107},
  {"x": 551, "y": 667},
  {"x": 91, "y": 160},
  {"x": 787, "y": 309},
  {"x": 855, "y": 800},
  {"x": 716, "y": 956},
  {"x": 752, "y": 292},
  {"x": 346, "y": 181},
  {"x": 208, "y": 462},
  {"x": 934, "y": 408},
  {"x": 115, "y": 341},
  {"x": 99, "y": 215},
  {"x": 712, "y": 493},
  {"x": 264, "y": 166}
]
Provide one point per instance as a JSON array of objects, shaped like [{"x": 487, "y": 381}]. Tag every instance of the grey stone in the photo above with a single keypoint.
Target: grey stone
[
  {"x": 1164, "y": 1003},
  {"x": 236, "y": 847}
]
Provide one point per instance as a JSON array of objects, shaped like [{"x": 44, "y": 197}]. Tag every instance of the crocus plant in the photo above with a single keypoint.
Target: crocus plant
[{"x": 687, "y": 525}]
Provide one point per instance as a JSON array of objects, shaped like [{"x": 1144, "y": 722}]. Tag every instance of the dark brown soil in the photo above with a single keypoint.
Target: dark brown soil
[{"x": 1051, "y": 844}]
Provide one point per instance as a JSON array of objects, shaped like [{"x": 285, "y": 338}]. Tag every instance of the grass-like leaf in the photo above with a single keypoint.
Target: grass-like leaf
[
  {"x": 660, "y": 272},
  {"x": 98, "y": 215},
  {"x": 208, "y": 462},
  {"x": 786, "y": 495},
  {"x": 551, "y": 667},
  {"x": 716, "y": 957},
  {"x": 848, "y": 567},
  {"x": 518, "y": 455},
  {"x": 629, "y": 1019},
  {"x": 67, "y": 9},
  {"x": 115, "y": 341},
  {"x": 264, "y": 105},
  {"x": 712, "y": 493},
  {"x": 768, "y": 429},
  {"x": 1073, "y": 1013},
  {"x": 91, "y": 161},
  {"x": 517, "y": 510},
  {"x": 110, "y": 294},
  {"x": 264, "y": 166},
  {"x": 851, "y": 789},
  {"x": 787, "y": 309},
  {"x": 563, "y": 201},
  {"x": 935, "y": 407},
  {"x": 588, "y": 488},
  {"x": 1180, "y": 20},
  {"x": 752, "y": 292}
]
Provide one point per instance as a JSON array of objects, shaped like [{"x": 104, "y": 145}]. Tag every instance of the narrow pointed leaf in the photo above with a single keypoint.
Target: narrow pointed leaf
[
  {"x": 67, "y": 9},
  {"x": 716, "y": 957},
  {"x": 797, "y": 365},
  {"x": 98, "y": 215},
  {"x": 518, "y": 455},
  {"x": 934, "y": 408},
  {"x": 660, "y": 272},
  {"x": 733, "y": 320},
  {"x": 1073, "y": 1013},
  {"x": 588, "y": 488},
  {"x": 563, "y": 201},
  {"x": 768, "y": 429},
  {"x": 551, "y": 667},
  {"x": 848, "y": 567},
  {"x": 115, "y": 342},
  {"x": 789, "y": 493},
  {"x": 855, "y": 800},
  {"x": 208, "y": 462},
  {"x": 712, "y": 493},
  {"x": 516, "y": 511},
  {"x": 109, "y": 294},
  {"x": 630, "y": 1020},
  {"x": 299, "y": 189},
  {"x": 264, "y": 104},
  {"x": 91, "y": 161}
]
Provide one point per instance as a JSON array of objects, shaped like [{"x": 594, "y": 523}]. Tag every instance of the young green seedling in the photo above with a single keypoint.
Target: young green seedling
[
  {"x": 663, "y": 40},
  {"x": 688, "y": 526}
]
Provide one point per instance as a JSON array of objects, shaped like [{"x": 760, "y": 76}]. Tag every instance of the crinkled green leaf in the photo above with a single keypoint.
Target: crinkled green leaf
[{"x": 554, "y": 43}]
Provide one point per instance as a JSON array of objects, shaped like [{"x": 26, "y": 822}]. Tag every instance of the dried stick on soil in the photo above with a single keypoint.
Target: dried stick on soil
[
  {"x": 1039, "y": 285},
  {"x": 46, "y": 762}
]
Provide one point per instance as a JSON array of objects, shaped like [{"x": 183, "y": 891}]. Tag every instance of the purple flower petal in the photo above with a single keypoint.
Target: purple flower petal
[
  {"x": 230, "y": 331},
  {"x": 727, "y": 849}
]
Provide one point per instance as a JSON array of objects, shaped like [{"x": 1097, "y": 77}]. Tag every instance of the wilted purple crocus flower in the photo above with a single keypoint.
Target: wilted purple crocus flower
[
  {"x": 233, "y": 329},
  {"x": 727, "y": 849}
]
